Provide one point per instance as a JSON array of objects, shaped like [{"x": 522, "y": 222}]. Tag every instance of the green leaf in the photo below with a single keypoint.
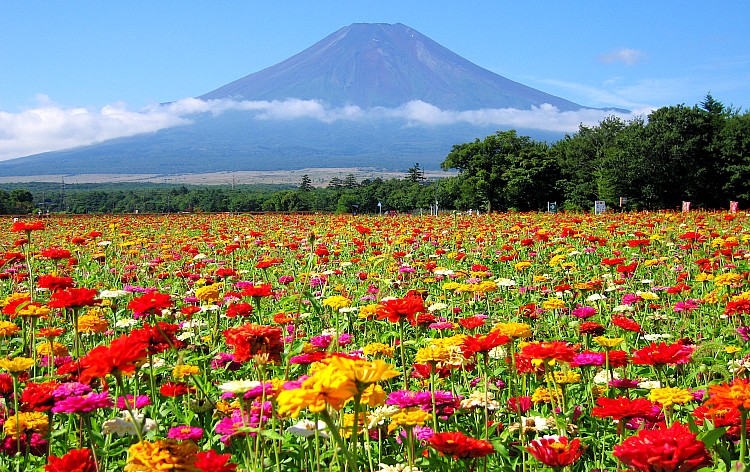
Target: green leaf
[{"x": 709, "y": 438}]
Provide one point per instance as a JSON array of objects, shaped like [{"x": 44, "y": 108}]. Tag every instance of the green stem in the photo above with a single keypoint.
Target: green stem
[
  {"x": 743, "y": 435},
  {"x": 351, "y": 461}
]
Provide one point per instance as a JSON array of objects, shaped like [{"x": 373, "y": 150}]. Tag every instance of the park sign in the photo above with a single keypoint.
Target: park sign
[{"x": 599, "y": 207}]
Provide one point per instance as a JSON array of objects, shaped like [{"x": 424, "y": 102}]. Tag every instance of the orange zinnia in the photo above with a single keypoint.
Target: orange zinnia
[{"x": 728, "y": 396}]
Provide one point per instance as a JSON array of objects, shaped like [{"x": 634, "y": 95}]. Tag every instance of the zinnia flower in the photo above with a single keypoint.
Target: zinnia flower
[
  {"x": 212, "y": 461},
  {"x": 254, "y": 340},
  {"x": 73, "y": 298},
  {"x": 119, "y": 358},
  {"x": 460, "y": 446},
  {"x": 662, "y": 354},
  {"x": 666, "y": 449},
  {"x": 76, "y": 460},
  {"x": 397, "y": 310},
  {"x": 556, "y": 451},
  {"x": 162, "y": 454}
]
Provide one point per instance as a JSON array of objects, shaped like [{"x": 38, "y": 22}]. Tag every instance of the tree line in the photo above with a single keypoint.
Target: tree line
[
  {"x": 678, "y": 153},
  {"x": 699, "y": 154}
]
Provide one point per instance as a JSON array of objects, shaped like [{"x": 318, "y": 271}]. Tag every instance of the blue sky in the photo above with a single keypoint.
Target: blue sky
[{"x": 80, "y": 72}]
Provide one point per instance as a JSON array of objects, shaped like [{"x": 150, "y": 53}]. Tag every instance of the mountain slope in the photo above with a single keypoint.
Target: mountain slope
[
  {"x": 385, "y": 65},
  {"x": 377, "y": 67}
]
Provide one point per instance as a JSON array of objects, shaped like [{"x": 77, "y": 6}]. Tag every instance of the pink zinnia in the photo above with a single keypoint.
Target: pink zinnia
[
  {"x": 185, "y": 433},
  {"x": 83, "y": 404}
]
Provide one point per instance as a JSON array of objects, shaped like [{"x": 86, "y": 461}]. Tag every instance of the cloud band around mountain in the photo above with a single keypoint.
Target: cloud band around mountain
[{"x": 49, "y": 127}]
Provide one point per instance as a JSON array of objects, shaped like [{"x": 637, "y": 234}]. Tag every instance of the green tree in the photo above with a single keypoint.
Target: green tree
[
  {"x": 483, "y": 165},
  {"x": 415, "y": 174}
]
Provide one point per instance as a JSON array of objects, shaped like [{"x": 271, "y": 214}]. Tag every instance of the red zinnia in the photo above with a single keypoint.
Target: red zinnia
[
  {"x": 262, "y": 290},
  {"x": 158, "y": 338},
  {"x": 151, "y": 302},
  {"x": 241, "y": 309},
  {"x": 174, "y": 389},
  {"x": 556, "y": 452},
  {"x": 212, "y": 461},
  {"x": 482, "y": 343},
  {"x": 662, "y": 353},
  {"x": 77, "y": 460},
  {"x": 460, "y": 446},
  {"x": 400, "y": 309},
  {"x": 19, "y": 226},
  {"x": 56, "y": 253},
  {"x": 73, "y": 298},
  {"x": 557, "y": 350},
  {"x": 250, "y": 340},
  {"x": 623, "y": 408},
  {"x": 674, "y": 448},
  {"x": 53, "y": 283},
  {"x": 120, "y": 357},
  {"x": 626, "y": 324}
]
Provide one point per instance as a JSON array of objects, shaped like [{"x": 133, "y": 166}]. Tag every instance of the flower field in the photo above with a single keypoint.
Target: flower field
[{"x": 502, "y": 342}]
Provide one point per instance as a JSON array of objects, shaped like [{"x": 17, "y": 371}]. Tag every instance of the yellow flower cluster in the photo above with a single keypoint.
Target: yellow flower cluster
[
  {"x": 543, "y": 395},
  {"x": 27, "y": 422},
  {"x": 564, "y": 377},
  {"x": 334, "y": 383},
  {"x": 554, "y": 303},
  {"x": 92, "y": 323},
  {"x": 209, "y": 293},
  {"x": 162, "y": 454},
  {"x": 668, "y": 396},
  {"x": 17, "y": 364},
  {"x": 8, "y": 328},
  {"x": 729, "y": 278},
  {"x": 432, "y": 353},
  {"x": 33, "y": 311},
  {"x": 522, "y": 265},
  {"x": 378, "y": 349},
  {"x": 513, "y": 330},
  {"x": 408, "y": 418},
  {"x": 183, "y": 370},
  {"x": 368, "y": 311},
  {"x": 608, "y": 342},
  {"x": 59, "y": 349},
  {"x": 337, "y": 302}
]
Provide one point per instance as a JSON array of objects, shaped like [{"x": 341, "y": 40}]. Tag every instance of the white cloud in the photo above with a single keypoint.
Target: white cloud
[
  {"x": 49, "y": 127},
  {"x": 624, "y": 55}
]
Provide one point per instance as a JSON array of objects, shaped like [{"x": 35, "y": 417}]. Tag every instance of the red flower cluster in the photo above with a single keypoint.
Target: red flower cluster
[
  {"x": 19, "y": 226},
  {"x": 77, "y": 460},
  {"x": 674, "y": 448},
  {"x": 73, "y": 298},
  {"x": 250, "y": 340},
  {"x": 482, "y": 343},
  {"x": 53, "y": 283},
  {"x": 397, "y": 310},
  {"x": 212, "y": 461},
  {"x": 556, "y": 452},
  {"x": 662, "y": 354},
  {"x": 557, "y": 350},
  {"x": 624, "y": 408},
  {"x": 460, "y": 446},
  {"x": 119, "y": 358},
  {"x": 150, "y": 303}
]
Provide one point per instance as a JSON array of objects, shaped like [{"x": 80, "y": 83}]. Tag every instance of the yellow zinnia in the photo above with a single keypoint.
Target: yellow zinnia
[
  {"x": 162, "y": 454},
  {"x": 25, "y": 423},
  {"x": 337, "y": 302},
  {"x": 668, "y": 396},
  {"x": 17, "y": 364},
  {"x": 608, "y": 342},
  {"x": 408, "y": 418},
  {"x": 364, "y": 372},
  {"x": 8, "y": 328},
  {"x": 513, "y": 330}
]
